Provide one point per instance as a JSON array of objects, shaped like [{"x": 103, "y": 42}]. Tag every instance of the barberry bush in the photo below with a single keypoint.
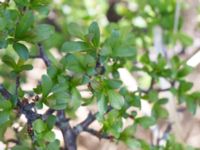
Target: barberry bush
[{"x": 91, "y": 54}]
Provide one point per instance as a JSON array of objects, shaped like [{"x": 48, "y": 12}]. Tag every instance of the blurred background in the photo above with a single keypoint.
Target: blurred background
[{"x": 169, "y": 27}]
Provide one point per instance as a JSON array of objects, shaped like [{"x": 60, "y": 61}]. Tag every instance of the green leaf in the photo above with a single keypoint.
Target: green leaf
[
  {"x": 106, "y": 50},
  {"x": 43, "y": 32},
  {"x": 9, "y": 61},
  {"x": 145, "y": 59},
  {"x": 184, "y": 86},
  {"x": 46, "y": 85},
  {"x": 75, "y": 100},
  {"x": 24, "y": 24},
  {"x": 124, "y": 51},
  {"x": 159, "y": 112},
  {"x": 2, "y": 23},
  {"x": 51, "y": 120},
  {"x": 146, "y": 121},
  {"x": 4, "y": 117},
  {"x": 94, "y": 30},
  {"x": 54, "y": 145},
  {"x": 135, "y": 101},
  {"x": 152, "y": 96},
  {"x": 58, "y": 100},
  {"x": 133, "y": 143},
  {"x": 26, "y": 67},
  {"x": 113, "y": 83},
  {"x": 74, "y": 46},
  {"x": 116, "y": 100},
  {"x": 75, "y": 29},
  {"x": 102, "y": 105},
  {"x": 39, "y": 126},
  {"x": 5, "y": 105},
  {"x": 21, "y": 50},
  {"x": 184, "y": 71},
  {"x": 184, "y": 39},
  {"x": 128, "y": 132},
  {"x": 22, "y": 3},
  {"x": 49, "y": 136},
  {"x": 191, "y": 105},
  {"x": 72, "y": 63},
  {"x": 20, "y": 147},
  {"x": 79, "y": 63}
]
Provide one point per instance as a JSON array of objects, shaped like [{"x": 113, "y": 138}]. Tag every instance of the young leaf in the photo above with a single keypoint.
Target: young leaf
[
  {"x": 124, "y": 51},
  {"x": 39, "y": 126},
  {"x": 24, "y": 24},
  {"x": 54, "y": 145},
  {"x": 46, "y": 85},
  {"x": 49, "y": 136},
  {"x": 112, "y": 83},
  {"x": 51, "y": 120},
  {"x": 43, "y": 32},
  {"x": 58, "y": 100},
  {"x": 5, "y": 105},
  {"x": 146, "y": 121},
  {"x": 102, "y": 105},
  {"x": 74, "y": 46},
  {"x": 75, "y": 29},
  {"x": 184, "y": 71},
  {"x": 133, "y": 143},
  {"x": 94, "y": 30},
  {"x": 9, "y": 61},
  {"x": 26, "y": 67},
  {"x": 21, "y": 50},
  {"x": 4, "y": 117},
  {"x": 116, "y": 100},
  {"x": 75, "y": 98}
]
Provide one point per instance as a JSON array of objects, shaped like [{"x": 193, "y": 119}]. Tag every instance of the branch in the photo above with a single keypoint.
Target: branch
[
  {"x": 84, "y": 124},
  {"x": 98, "y": 134},
  {"x": 25, "y": 108},
  {"x": 43, "y": 56},
  {"x": 12, "y": 141},
  {"x": 4, "y": 92},
  {"x": 158, "y": 90},
  {"x": 165, "y": 134},
  {"x": 17, "y": 82},
  {"x": 68, "y": 133},
  {"x": 47, "y": 113},
  {"x": 89, "y": 119}
]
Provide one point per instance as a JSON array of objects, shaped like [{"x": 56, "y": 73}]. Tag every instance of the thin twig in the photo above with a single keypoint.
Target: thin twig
[
  {"x": 98, "y": 134},
  {"x": 158, "y": 90},
  {"x": 89, "y": 119},
  {"x": 4, "y": 92},
  {"x": 43, "y": 55},
  {"x": 12, "y": 141},
  {"x": 17, "y": 82}
]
